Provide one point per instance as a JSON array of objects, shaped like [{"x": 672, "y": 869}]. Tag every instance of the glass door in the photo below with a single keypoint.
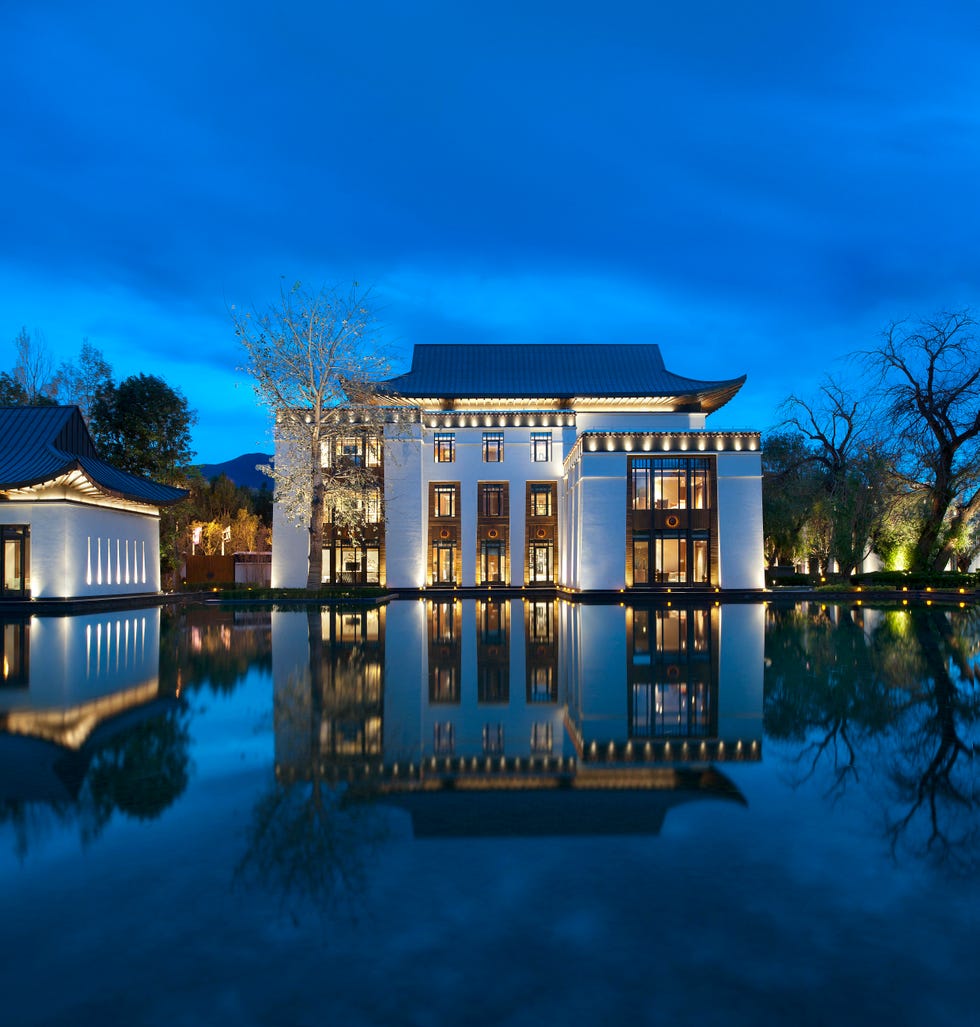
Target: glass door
[
  {"x": 443, "y": 564},
  {"x": 540, "y": 570},
  {"x": 492, "y": 562},
  {"x": 15, "y": 560}
]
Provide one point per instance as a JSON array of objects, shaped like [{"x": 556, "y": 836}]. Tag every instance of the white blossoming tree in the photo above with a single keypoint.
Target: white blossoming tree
[{"x": 315, "y": 358}]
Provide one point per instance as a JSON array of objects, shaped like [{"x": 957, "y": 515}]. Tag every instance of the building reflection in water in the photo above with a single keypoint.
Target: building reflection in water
[
  {"x": 69, "y": 684},
  {"x": 506, "y": 716}
]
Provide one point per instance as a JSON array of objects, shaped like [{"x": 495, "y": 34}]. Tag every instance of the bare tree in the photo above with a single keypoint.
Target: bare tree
[
  {"x": 315, "y": 358},
  {"x": 82, "y": 382},
  {"x": 34, "y": 368},
  {"x": 843, "y": 446},
  {"x": 930, "y": 375}
]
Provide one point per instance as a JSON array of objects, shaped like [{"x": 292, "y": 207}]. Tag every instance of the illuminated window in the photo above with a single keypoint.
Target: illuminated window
[
  {"x": 445, "y": 447},
  {"x": 493, "y": 447},
  {"x": 640, "y": 472},
  {"x": 541, "y": 446},
  {"x": 540, "y": 500},
  {"x": 348, "y": 450},
  {"x": 444, "y": 501},
  {"x": 15, "y": 559}
]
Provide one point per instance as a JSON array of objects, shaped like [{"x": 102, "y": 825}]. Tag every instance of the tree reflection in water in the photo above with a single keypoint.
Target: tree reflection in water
[
  {"x": 311, "y": 836},
  {"x": 889, "y": 696},
  {"x": 139, "y": 773},
  {"x": 139, "y": 770}
]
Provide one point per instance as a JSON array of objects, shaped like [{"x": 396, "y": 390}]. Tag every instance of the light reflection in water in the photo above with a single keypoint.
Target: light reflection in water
[{"x": 501, "y": 696}]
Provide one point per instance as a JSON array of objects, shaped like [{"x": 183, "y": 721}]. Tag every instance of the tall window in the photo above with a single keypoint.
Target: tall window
[
  {"x": 15, "y": 559},
  {"x": 348, "y": 450},
  {"x": 670, "y": 483},
  {"x": 493, "y": 447},
  {"x": 640, "y": 472},
  {"x": 492, "y": 500},
  {"x": 540, "y": 500},
  {"x": 444, "y": 501},
  {"x": 541, "y": 446},
  {"x": 445, "y": 447},
  {"x": 372, "y": 506},
  {"x": 372, "y": 451}
]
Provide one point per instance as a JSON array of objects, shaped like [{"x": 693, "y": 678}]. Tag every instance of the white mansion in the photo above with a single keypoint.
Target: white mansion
[{"x": 584, "y": 467}]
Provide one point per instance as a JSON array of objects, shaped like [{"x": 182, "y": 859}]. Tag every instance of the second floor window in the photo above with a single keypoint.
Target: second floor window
[
  {"x": 541, "y": 446},
  {"x": 540, "y": 500},
  {"x": 445, "y": 501},
  {"x": 493, "y": 447},
  {"x": 349, "y": 451},
  {"x": 445, "y": 447},
  {"x": 492, "y": 500}
]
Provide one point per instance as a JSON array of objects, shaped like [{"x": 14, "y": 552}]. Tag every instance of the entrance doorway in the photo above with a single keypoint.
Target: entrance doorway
[
  {"x": 540, "y": 563},
  {"x": 492, "y": 557},
  {"x": 444, "y": 563}
]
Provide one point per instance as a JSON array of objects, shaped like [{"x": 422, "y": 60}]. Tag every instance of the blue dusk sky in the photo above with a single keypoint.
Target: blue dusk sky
[{"x": 759, "y": 187}]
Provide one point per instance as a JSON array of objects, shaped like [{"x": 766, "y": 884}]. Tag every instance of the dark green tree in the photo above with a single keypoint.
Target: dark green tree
[
  {"x": 142, "y": 425},
  {"x": 790, "y": 490},
  {"x": 12, "y": 393}
]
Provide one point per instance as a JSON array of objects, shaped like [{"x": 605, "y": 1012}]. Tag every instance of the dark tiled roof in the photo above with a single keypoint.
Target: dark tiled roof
[
  {"x": 618, "y": 371},
  {"x": 39, "y": 444}
]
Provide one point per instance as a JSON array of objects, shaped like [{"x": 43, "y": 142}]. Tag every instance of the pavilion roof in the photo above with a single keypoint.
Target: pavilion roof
[
  {"x": 561, "y": 372},
  {"x": 49, "y": 444}
]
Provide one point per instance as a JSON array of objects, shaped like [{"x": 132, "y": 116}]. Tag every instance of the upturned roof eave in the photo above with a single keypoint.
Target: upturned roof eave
[
  {"x": 61, "y": 475},
  {"x": 709, "y": 396}
]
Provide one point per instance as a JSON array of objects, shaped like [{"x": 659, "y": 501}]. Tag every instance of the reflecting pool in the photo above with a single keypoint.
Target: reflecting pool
[{"x": 490, "y": 811}]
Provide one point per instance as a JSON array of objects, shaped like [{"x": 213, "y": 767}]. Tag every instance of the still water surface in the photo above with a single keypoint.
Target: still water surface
[{"x": 490, "y": 812}]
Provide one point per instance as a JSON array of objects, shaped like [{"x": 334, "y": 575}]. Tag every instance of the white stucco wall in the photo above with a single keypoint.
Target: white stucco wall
[
  {"x": 638, "y": 421},
  {"x": 405, "y": 514},
  {"x": 740, "y": 520},
  {"x": 516, "y": 469},
  {"x": 79, "y": 549},
  {"x": 600, "y": 535},
  {"x": 290, "y": 550}
]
